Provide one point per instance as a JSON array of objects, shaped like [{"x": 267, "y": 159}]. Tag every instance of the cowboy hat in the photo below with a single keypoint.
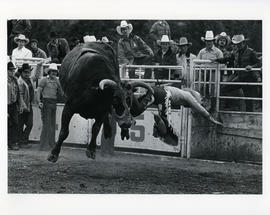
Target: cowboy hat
[
  {"x": 124, "y": 24},
  {"x": 238, "y": 39},
  {"x": 52, "y": 67},
  {"x": 183, "y": 42},
  {"x": 164, "y": 39},
  {"x": 209, "y": 36},
  {"x": 88, "y": 39},
  {"x": 21, "y": 37},
  {"x": 25, "y": 67},
  {"x": 223, "y": 35}
]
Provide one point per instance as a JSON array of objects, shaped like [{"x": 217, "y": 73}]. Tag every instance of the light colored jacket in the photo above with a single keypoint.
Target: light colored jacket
[{"x": 24, "y": 89}]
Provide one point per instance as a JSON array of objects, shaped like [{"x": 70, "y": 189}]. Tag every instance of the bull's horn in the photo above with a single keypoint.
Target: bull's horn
[
  {"x": 141, "y": 84},
  {"x": 107, "y": 82}
]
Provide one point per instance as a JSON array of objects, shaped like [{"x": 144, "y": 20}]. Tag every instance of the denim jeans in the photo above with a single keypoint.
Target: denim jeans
[
  {"x": 48, "y": 116},
  {"x": 25, "y": 126}
]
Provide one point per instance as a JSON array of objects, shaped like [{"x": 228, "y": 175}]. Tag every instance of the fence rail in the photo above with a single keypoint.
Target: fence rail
[{"x": 205, "y": 77}]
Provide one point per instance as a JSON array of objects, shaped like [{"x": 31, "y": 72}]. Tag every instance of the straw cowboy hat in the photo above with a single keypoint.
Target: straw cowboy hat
[
  {"x": 183, "y": 41},
  {"x": 209, "y": 36},
  {"x": 52, "y": 67},
  {"x": 223, "y": 35},
  {"x": 21, "y": 37},
  {"x": 239, "y": 39},
  {"x": 88, "y": 39},
  {"x": 124, "y": 24},
  {"x": 164, "y": 39}
]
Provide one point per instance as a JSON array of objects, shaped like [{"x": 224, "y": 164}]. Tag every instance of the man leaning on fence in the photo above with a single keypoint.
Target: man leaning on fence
[
  {"x": 26, "y": 85},
  {"x": 47, "y": 93},
  {"x": 164, "y": 56},
  {"x": 132, "y": 50},
  {"x": 244, "y": 57},
  {"x": 185, "y": 58},
  {"x": 20, "y": 51}
]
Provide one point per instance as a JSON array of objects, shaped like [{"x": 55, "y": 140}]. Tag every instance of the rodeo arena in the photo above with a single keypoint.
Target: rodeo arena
[{"x": 96, "y": 115}]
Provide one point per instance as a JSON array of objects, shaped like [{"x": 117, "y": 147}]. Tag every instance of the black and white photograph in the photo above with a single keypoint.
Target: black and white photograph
[{"x": 167, "y": 105}]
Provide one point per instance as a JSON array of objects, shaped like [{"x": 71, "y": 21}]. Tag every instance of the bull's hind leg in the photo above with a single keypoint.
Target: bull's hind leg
[
  {"x": 66, "y": 117},
  {"x": 91, "y": 147}
]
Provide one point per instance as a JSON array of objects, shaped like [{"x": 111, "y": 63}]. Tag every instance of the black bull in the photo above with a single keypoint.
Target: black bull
[{"x": 89, "y": 76}]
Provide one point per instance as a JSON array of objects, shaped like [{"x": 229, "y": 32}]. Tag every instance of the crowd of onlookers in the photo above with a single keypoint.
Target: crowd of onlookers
[{"x": 132, "y": 50}]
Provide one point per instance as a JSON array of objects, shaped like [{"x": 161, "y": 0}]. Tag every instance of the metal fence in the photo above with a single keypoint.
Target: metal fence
[{"x": 208, "y": 79}]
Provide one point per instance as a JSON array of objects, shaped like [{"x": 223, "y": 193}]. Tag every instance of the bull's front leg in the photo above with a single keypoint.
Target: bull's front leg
[
  {"x": 66, "y": 117},
  {"x": 91, "y": 147}
]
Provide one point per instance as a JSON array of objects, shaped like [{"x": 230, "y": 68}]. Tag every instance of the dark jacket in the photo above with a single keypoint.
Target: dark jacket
[
  {"x": 132, "y": 47},
  {"x": 59, "y": 50},
  {"x": 169, "y": 58},
  {"x": 241, "y": 59}
]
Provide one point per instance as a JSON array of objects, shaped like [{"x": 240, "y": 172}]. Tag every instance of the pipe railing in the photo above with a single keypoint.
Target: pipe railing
[{"x": 203, "y": 70}]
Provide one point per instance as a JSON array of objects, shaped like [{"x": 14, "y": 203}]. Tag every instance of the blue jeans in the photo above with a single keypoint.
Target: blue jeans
[
  {"x": 48, "y": 116},
  {"x": 25, "y": 119}
]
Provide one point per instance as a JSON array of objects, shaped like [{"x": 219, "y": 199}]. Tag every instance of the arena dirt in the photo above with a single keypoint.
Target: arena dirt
[{"x": 30, "y": 172}]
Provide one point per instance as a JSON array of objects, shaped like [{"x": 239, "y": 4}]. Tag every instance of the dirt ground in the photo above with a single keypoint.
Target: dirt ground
[{"x": 125, "y": 173}]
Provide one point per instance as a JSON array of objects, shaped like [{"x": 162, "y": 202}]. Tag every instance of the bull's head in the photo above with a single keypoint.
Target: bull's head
[{"x": 122, "y": 100}]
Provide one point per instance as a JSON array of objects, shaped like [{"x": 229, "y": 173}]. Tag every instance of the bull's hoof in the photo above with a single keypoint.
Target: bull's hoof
[
  {"x": 52, "y": 158},
  {"x": 91, "y": 154}
]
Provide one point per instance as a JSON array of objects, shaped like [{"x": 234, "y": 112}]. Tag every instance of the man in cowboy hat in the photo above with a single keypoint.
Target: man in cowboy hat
[
  {"x": 164, "y": 56},
  {"x": 183, "y": 58},
  {"x": 244, "y": 57},
  {"x": 20, "y": 51},
  {"x": 222, "y": 41},
  {"x": 37, "y": 52},
  {"x": 49, "y": 88},
  {"x": 159, "y": 28},
  {"x": 16, "y": 27},
  {"x": 132, "y": 50},
  {"x": 210, "y": 52},
  {"x": 57, "y": 47},
  {"x": 26, "y": 85},
  {"x": 14, "y": 107}
]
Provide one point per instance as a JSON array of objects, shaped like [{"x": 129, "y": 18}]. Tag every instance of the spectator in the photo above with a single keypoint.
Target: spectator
[
  {"x": 132, "y": 50},
  {"x": 14, "y": 106},
  {"x": 20, "y": 51},
  {"x": 74, "y": 42},
  {"x": 244, "y": 57},
  {"x": 184, "y": 58},
  {"x": 223, "y": 41},
  {"x": 26, "y": 82},
  {"x": 159, "y": 28},
  {"x": 49, "y": 88},
  {"x": 174, "y": 47},
  {"x": 164, "y": 56},
  {"x": 37, "y": 52},
  {"x": 210, "y": 52},
  {"x": 57, "y": 48},
  {"x": 15, "y": 28}
]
